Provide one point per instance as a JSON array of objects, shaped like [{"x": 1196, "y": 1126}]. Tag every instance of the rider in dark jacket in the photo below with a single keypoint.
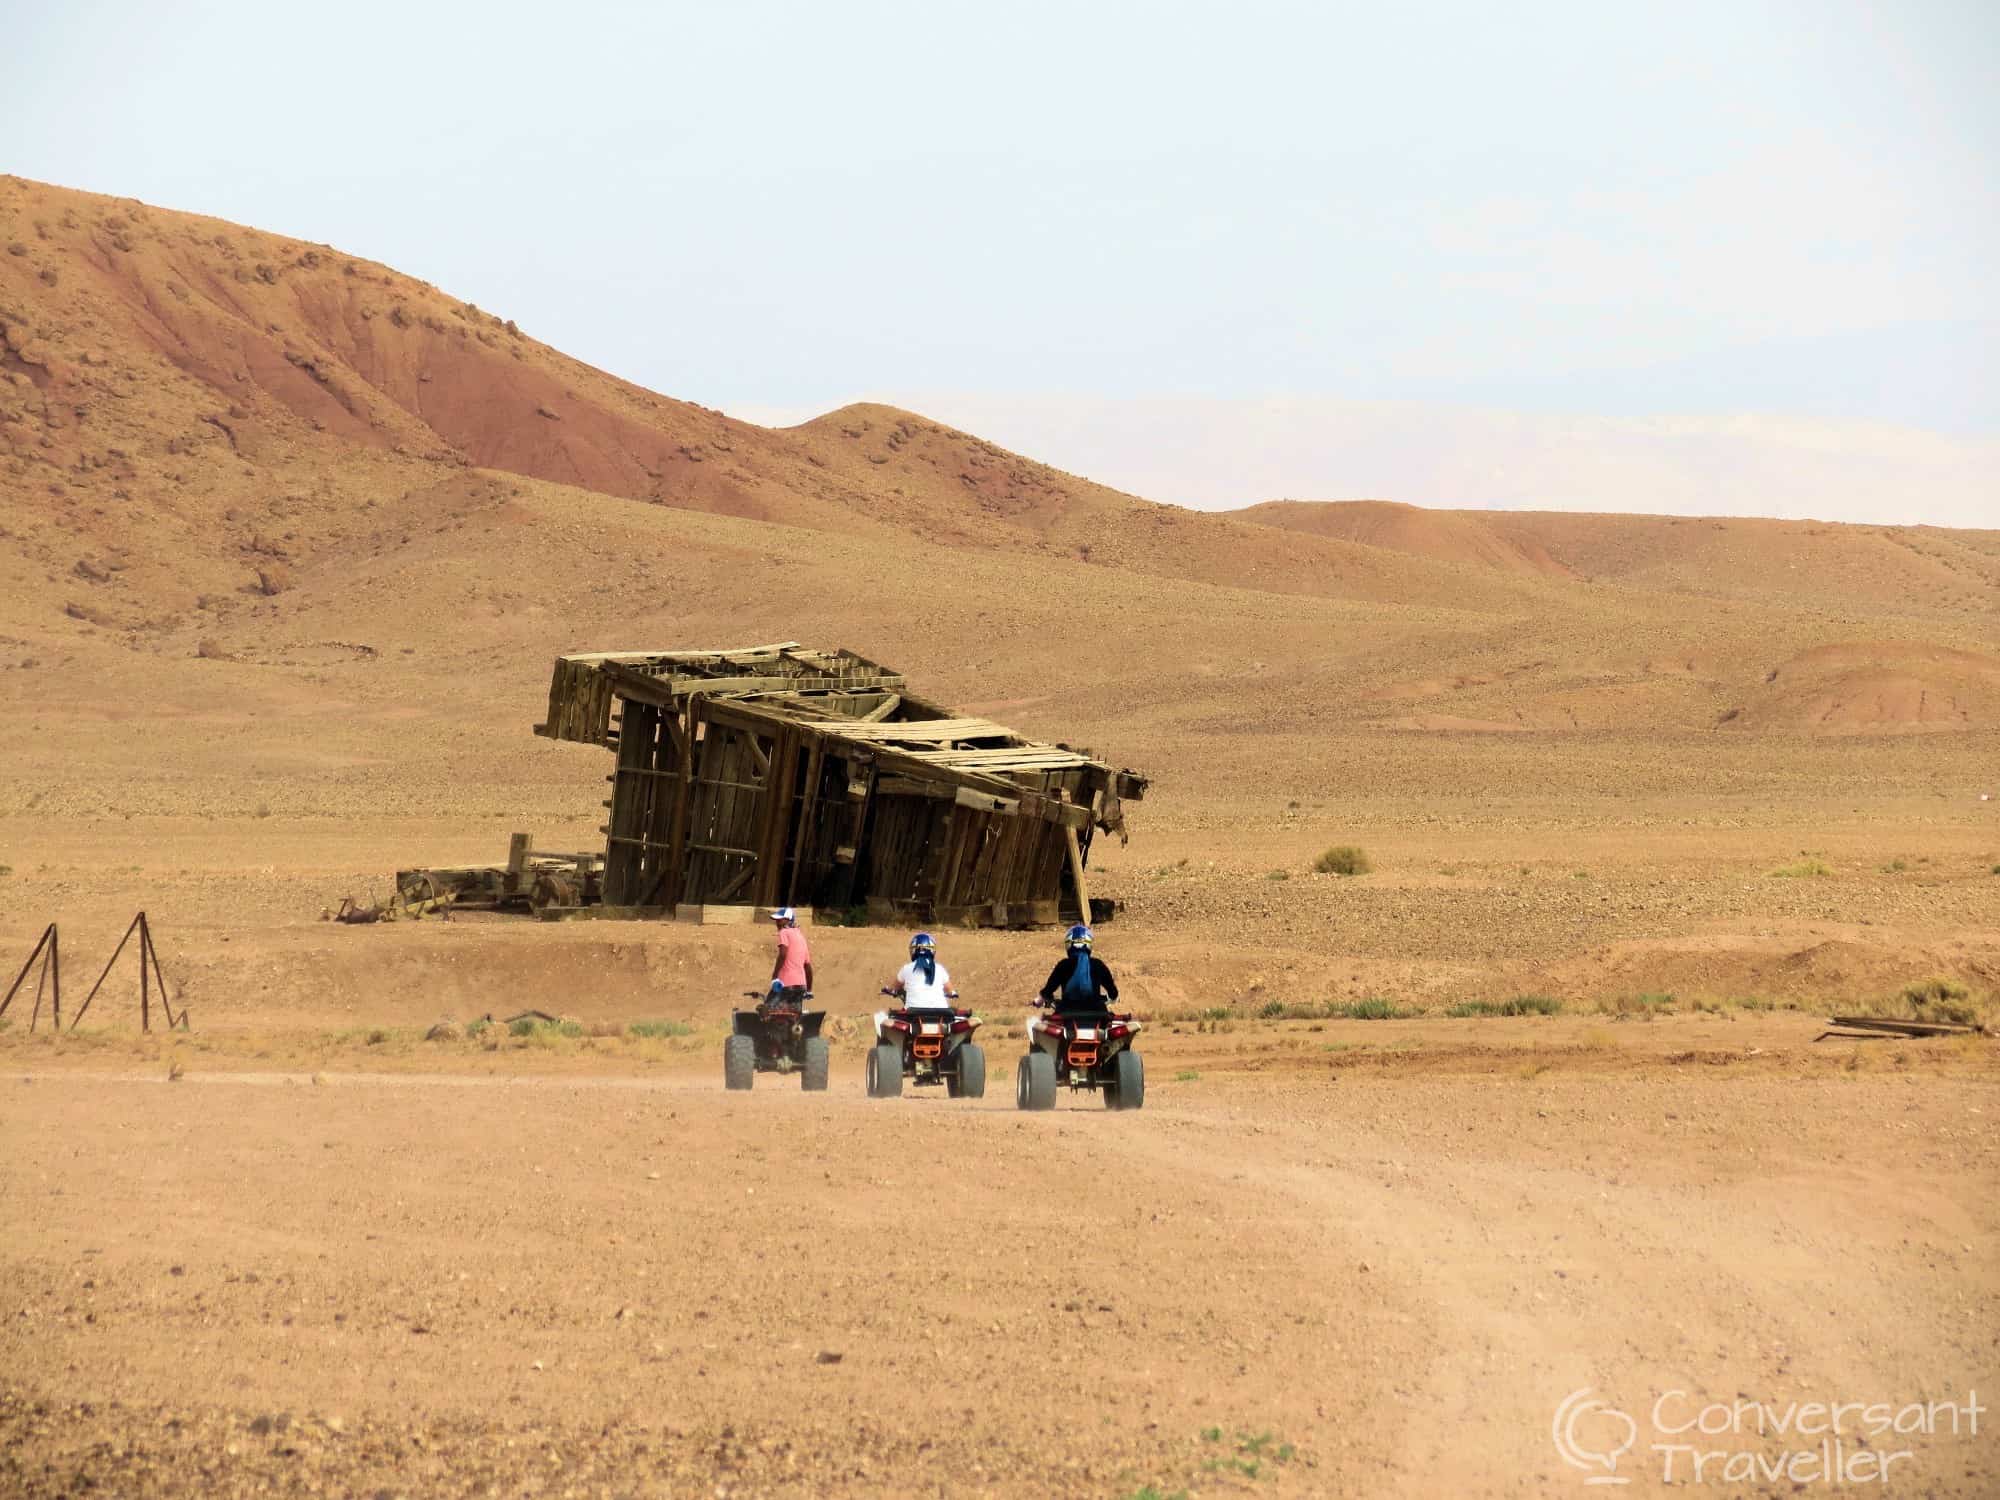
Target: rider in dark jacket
[{"x": 1080, "y": 981}]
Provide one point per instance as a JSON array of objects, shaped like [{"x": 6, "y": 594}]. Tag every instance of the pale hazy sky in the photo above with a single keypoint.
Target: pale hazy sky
[{"x": 1600, "y": 211}]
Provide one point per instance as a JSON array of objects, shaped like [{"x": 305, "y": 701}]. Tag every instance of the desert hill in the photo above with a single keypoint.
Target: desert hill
[
  {"x": 247, "y": 398},
  {"x": 229, "y": 447},
  {"x": 1927, "y": 569}
]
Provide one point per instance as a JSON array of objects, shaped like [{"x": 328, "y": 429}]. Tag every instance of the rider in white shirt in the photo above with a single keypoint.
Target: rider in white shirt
[{"x": 923, "y": 983}]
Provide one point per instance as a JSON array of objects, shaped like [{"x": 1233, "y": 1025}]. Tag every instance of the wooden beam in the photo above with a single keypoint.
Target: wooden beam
[{"x": 1076, "y": 875}]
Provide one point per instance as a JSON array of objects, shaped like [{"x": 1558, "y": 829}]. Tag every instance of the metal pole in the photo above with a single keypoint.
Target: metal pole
[
  {"x": 107, "y": 969},
  {"x": 40, "y": 943},
  {"x": 145, "y": 994},
  {"x": 160, "y": 979}
]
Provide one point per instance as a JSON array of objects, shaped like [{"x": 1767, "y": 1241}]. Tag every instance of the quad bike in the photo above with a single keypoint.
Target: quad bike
[
  {"x": 779, "y": 1036},
  {"x": 927, "y": 1047},
  {"x": 1083, "y": 1050}
]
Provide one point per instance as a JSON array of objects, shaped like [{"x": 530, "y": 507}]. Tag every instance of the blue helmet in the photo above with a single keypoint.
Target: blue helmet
[
  {"x": 923, "y": 942},
  {"x": 1078, "y": 936}
]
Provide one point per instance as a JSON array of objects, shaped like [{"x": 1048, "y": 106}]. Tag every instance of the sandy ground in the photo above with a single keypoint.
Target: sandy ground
[{"x": 1327, "y": 1258}]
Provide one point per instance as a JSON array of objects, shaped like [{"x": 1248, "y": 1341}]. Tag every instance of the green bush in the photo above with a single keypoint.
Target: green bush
[
  {"x": 660, "y": 1028},
  {"x": 1374, "y": 1009},
  {"x": 1802, "y": 869},
  {"x": 1520, "y": 1005}
]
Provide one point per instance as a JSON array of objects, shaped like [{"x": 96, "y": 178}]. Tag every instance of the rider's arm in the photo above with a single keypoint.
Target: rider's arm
[
  {"x": 809, "y": 973},
  {"x": 1056, "y": 977},
  {"x": 1102, "y": 971}
]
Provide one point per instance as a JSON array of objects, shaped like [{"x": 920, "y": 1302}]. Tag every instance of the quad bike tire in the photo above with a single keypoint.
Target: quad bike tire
[
  {"x": 739, "y": 1063},
  {"x": 812, "y": 1073},
  {"x": 969, "y": 1082},
  {"x": 1035, "y": 1082},
  {"x": 885, "y": 1072},
  {"x": 1126, "y": 1087}
]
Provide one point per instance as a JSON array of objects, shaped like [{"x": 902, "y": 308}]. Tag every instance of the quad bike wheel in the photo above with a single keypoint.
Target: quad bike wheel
[
  {"x": 739, "y": 1062},
  {"x": 812, "y": 1076},
  {"x": 969, "y": 1082},
  {"x": 885, "y": 1072},
  {"x": 1035, "y": 1082},
  {"x": 1126, "y": 1088}
]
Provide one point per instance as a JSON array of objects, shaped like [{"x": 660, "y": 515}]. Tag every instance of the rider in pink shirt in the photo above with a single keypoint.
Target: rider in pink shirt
[{"x": 793, "y": 969}]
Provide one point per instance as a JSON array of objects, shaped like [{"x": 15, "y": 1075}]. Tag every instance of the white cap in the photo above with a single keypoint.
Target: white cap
[{"x": 783, "y": 914}]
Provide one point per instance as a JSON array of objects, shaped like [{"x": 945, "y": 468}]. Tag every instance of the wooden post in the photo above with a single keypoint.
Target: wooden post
[
  {"x": 808, "y": 810},
  {"x": 1076, "y": 867}
]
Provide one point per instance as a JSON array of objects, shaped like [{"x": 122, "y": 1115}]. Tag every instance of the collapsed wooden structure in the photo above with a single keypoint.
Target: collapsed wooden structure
[{"x": 778, "y": 775}]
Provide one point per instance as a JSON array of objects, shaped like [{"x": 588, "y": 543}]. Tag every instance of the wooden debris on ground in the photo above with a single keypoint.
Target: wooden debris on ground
[{"x": 1884, "y": 1028}]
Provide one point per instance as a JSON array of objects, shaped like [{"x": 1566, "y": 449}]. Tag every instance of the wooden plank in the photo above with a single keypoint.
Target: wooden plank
[
  {"x": 965, "y": 796},
  {"x": 909, "y": 786},
  {"x": 808, "y": 810},
  {"x": 883, "y": 709},
  {"x": 594, "y": 657},
  {"x": 775, "y": 683},
  {"x": 780, "y": 772},
  {"x": 675, "y": 864},
  {"x": 722, "y": 914},
  {"x": 1076, "y": 875},
  {"x": 1905, "y": 1028},
  {"x": 927, "y": 730},
  {"x": 1002, "y": 759}
]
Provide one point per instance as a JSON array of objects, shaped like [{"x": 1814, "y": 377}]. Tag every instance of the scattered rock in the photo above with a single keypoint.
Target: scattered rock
[
  {"x": 273, "y": 578},
  {"x": 828, "y": 1357},
  {"x": 446, "y": 1030}
]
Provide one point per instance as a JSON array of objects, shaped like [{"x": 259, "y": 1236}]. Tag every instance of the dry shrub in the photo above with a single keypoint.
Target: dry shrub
[{"x": 1343, "y": 859}]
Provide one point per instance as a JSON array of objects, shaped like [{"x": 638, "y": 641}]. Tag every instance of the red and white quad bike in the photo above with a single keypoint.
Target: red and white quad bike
[
  {"x": 927, "y": 1047},
  {"x": 1082, "y": 1050}
]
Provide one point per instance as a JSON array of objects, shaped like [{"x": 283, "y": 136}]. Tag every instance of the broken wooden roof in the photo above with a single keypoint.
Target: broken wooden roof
[{"x": 837, "y": 694}]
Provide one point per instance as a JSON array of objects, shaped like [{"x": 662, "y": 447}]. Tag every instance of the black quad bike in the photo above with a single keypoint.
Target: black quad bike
[
  {"x": 927, "y": 1047},
  {"x": 778, "y": 1036},
  {"x": 1081, "y": 1050}
]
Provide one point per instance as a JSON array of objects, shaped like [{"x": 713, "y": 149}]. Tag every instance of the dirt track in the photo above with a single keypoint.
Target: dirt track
[{"x": 610, "y": 1285}]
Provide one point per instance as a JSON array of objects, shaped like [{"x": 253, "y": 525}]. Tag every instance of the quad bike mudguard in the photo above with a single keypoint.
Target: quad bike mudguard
[{"x": 755, "y": 1024}]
